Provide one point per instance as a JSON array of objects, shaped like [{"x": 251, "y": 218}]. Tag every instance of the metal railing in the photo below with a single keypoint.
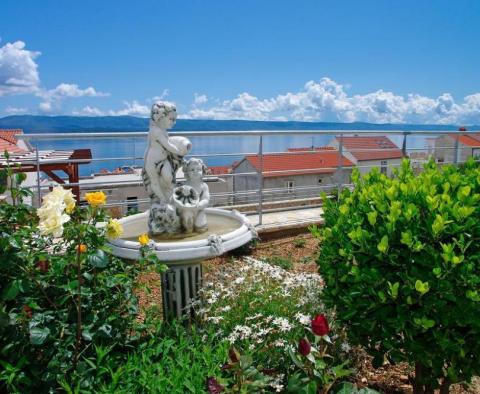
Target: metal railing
[{"x": 266, "y": 196}]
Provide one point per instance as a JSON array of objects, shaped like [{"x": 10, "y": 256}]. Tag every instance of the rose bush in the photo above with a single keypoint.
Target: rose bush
[
  {"x": 62, "y": 295},
  {"x": 400, "y": 259}
]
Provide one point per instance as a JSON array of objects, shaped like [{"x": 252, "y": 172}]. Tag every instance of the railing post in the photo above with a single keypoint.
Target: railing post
[
  {"x": 37, "y": 158},
  {"x": 260, "y": 182},
  {"x": 404, "y": 145},
  {"x": 340, "y": 165}
]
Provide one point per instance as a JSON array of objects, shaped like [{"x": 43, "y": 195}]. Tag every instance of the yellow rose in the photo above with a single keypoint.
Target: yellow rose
[
  {"x": 82, "y": 248},
  {"x": 143, "y": 239},
  {"x": 96, "y": 199},
  {"x": 114, "y": 229}
]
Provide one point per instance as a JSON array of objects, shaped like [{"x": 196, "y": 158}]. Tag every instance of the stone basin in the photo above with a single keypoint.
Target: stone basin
[{"x": 227, "y": 230}]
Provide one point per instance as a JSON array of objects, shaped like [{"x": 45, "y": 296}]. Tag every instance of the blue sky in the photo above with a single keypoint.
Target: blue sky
[{"x": 378, "y": 61}]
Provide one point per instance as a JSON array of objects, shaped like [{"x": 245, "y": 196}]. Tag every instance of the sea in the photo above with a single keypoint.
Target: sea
[{"x": 112, "y": 153}]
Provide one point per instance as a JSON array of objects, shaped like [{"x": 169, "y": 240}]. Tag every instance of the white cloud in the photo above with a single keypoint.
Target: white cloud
[
  {"x": 53, "y": 97},
  {"x": 200, "y": 99},
  {"x": 15, "y": 111},
  {"x": 88, "y": 111},
  {"x": 18, "y": 70},
  {"x": 19, "y": 75},
  {"x": 327, "y": 100},
  {"x": 71, "y": 90},
  {"x": 133, "y": 108}
]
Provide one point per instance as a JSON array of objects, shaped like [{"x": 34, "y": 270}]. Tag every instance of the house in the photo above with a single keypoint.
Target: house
[
  {"x": 13, "y": 146},
  {"x": 289, "y": 175},
  {"x": 367, "y": 152},
  {"x": 10, "y": 143},
  {"x": 221, "y": 189},
  {"x": 126, "y": 193},
  {"x": 446, "y": 151}
]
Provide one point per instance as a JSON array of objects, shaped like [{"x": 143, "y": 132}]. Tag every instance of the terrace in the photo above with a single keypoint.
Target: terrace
[
  {"x": 276, "y": 182},
  {"x": 255, "y": 197}
]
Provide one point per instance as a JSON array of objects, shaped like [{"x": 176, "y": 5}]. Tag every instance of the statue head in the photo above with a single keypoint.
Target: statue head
[
  {"x": 163, "y": 114},
  {"x": 194, "y": 169}
]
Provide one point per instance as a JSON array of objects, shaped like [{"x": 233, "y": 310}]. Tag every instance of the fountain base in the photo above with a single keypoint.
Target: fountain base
[{"x": 227, "y": 230}]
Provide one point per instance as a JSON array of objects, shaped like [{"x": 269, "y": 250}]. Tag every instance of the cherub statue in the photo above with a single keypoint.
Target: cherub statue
[
  {"x": 164, "y": 154},
  {"x": 163, "y": 157},
  {"x": 193, "y": 197}
]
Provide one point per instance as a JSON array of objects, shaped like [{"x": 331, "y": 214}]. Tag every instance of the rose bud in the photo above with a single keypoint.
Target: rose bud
[
  {"x": 304, "y": 347},
  {"x": 43, "y": 266},
  {"x": 213, "y": 387},
  {"x": 234, "y": 355},
  {"x": 28, "y": 311},
  {"x": 320, "y": 325}
]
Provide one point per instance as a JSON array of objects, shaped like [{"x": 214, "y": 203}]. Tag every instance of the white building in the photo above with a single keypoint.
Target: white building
[{"x": 367, "y": 152}]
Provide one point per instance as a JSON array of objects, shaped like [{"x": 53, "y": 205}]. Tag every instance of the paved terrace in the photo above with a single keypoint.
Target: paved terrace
[{"x": 292, "y": 220}]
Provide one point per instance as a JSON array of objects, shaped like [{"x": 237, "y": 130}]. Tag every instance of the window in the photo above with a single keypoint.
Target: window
[
  {"x": 383, "y": 166},
  {"x": 132, "y": 204},
  {"x": 289, "y": 185}
]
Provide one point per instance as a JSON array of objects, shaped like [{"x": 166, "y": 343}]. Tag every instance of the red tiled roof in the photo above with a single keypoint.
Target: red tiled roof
[
  {"x": 359, "y": 147},
  {"x": 282, "y": 164},
  {"x": 8, "y": 141},
  {"x": 472, "y": 139},
  {"x": 219, "y": 170},
  {"x": 316, "y": 148}
]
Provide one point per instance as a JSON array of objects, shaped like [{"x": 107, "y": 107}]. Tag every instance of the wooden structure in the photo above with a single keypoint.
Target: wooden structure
[{"x": 50, "y": 161}]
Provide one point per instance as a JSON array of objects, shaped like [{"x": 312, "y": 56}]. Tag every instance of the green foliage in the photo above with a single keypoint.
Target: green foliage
[
  {"x": 400, "y": 262},
  {"x": 280, "y": 261},
  {"x": 170, "y": 359},
  {"x": 243, "y": 376},
  {"x": 299, "y": 242},
  {"x": 59, "y": 302}
]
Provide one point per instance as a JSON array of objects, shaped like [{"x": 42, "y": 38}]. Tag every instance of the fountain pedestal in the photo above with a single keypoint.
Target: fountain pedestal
[{"x": 228, "y": 230}]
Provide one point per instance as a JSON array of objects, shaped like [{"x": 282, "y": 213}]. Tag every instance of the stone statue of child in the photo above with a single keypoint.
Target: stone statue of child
[
  {"x": 193, "y": 197},
  {"x": 164, "y": 154},
  {"x": 163, "y": 157}
]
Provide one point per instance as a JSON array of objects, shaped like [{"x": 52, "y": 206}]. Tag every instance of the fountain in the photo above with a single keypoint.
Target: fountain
[{"x": 183, "y": 230}]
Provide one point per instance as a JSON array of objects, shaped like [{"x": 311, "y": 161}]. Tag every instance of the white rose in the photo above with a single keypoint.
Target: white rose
[{"x": 52, "y": 224}]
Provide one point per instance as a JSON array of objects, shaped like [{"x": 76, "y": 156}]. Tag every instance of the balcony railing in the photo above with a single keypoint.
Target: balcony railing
[{"x": 257, "y": 194}]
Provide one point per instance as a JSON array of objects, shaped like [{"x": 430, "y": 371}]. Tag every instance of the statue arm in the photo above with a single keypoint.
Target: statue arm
[
  {"x": 203, "y": 203},
  {"x": 164, "y": 140}
]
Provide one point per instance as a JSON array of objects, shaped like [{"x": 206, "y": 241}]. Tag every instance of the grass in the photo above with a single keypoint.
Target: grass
[
  {"x": 279, "y": 261},
  {"x": 174, "y": 360}
]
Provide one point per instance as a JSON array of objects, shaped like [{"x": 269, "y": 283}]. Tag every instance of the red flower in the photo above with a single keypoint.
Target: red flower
[
  {"x": 43, "y": 266},
  {"x": 304, "y": 347},
  {"x": 28, "y": 311},
  {"x": 213, "y": 386},
  {"x": 320, "y": 325}
]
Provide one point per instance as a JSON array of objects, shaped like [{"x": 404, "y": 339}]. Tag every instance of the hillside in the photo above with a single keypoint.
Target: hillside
[{"x": 40, "y": 124}]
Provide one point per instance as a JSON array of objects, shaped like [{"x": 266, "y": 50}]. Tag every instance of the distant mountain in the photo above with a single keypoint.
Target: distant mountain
[{"x": 44, "y": 124}]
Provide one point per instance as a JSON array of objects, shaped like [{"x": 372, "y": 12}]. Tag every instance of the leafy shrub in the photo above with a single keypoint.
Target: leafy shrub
[
  {"x": 61, "y": 296},
  {"x": 400, "y": 262},
  {"x": 263, "y": 311}
]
